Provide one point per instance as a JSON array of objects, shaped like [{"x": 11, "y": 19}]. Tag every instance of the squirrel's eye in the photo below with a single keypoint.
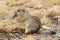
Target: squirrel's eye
[{"x": 21, "y": 10}]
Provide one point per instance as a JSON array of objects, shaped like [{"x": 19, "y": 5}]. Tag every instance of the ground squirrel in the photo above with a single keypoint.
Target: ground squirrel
[{"x": 31, "y": 25}]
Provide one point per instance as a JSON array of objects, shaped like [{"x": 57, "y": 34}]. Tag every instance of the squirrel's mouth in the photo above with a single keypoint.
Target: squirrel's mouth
[{"x": 22, "y": 18}]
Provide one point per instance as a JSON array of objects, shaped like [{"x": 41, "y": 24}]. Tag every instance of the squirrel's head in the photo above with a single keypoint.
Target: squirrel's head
[{"x": 21, "y": 15}]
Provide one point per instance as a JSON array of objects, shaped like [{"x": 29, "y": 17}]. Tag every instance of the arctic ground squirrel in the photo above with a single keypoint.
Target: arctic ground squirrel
[{"x": 30, "y": 24}]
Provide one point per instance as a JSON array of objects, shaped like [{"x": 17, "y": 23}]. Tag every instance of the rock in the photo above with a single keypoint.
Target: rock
[
  {"x": 29, "y": 37},
  {"x": 54, "y": 14},
  {"x": 45, "y": 21},
  {"x": 49, "y": 3},
  {"x": 8, "y": 25},
  {"x": 55, "y": 10}
]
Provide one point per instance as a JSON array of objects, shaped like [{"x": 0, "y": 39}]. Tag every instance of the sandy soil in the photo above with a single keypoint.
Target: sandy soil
[{"x": 43, "y": 15}]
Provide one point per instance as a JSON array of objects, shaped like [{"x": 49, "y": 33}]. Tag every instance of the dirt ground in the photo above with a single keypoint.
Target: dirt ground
[{"x": 29, "y": 19}]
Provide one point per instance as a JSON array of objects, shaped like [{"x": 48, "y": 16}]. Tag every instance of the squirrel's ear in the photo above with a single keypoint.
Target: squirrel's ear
[{"x": 15, "y": 15}]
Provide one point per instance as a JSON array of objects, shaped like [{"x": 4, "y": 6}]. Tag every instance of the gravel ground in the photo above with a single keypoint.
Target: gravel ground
[{"x": 39, "y": 18}]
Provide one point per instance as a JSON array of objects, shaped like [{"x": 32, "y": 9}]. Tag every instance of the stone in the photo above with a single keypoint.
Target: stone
[{"x": 29, "y": 37}]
